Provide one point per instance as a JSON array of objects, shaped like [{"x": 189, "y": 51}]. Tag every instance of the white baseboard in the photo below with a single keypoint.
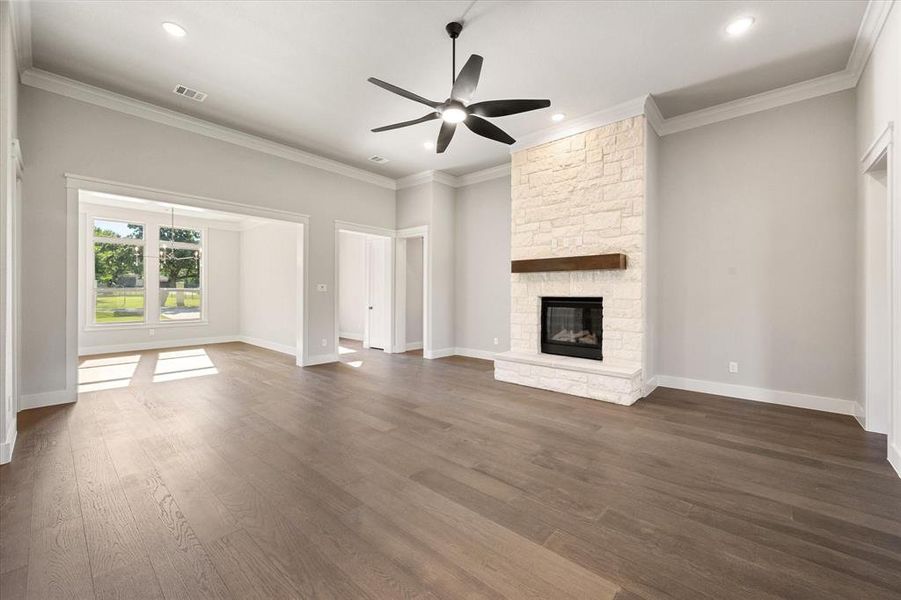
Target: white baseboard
[
  {"x": 413, "y": 346},
  {"x": 320, "y": 359},
  {"x": 812, "y": 402},
  {"x": 441, "y": 353},
  {"x": 156, "y": 345},
  {"x": 7, "y": 447},
  {"x": 351, "y": 336},
  {"x": 475, "y": 353},
  {"x": 268, "y": 345},
  {"x": 52, "y": 398},
  {"x": 649, "y": 386},
  {"x": 861, "y": 415},
  {"x": 894, "y": 458}
]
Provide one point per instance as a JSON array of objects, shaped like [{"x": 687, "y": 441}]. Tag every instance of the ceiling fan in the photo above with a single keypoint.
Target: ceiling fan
[{"x": 457, "y": 109}]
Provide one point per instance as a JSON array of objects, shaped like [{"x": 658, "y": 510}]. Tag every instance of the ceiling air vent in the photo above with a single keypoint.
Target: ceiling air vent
[
  {"x": 189, "y": 93},
  {"x": 378, "y": 159}
]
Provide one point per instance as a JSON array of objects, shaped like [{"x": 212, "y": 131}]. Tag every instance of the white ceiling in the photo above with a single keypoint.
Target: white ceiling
[{"x": 296, "y": 72}]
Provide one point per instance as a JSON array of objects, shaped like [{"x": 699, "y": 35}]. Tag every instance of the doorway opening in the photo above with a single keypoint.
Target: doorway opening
[
  {"x": 155, "y": 278},
  {"x": 364, "y": 295},
  {"x": 877, "y": 297}
]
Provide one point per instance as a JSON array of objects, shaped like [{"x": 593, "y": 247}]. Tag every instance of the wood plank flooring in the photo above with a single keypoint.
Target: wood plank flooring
[{"x": 226, "y": 472}]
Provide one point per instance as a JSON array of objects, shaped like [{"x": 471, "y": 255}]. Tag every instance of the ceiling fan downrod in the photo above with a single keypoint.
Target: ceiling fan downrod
[{"x": 453, "y": 30}]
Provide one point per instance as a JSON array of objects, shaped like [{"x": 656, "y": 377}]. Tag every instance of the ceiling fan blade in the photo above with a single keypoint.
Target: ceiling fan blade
[
  {"x": 428, "y": 117},
  {"x": 444, "y": 136},
  {"x": 402, "y": 92},
  {"x": 502, "y": 108},
  {"x": 488, "y": 130},
  {"x": 467, "y": 80}
]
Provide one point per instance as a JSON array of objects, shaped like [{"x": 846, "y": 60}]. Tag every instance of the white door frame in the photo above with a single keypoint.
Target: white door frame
[
  {"x": 403, "y": 235},
  {"x": 883, "y": 147},
  {"x": 75, "y": 183},
  {"x": 371, "y": 231},
  {"x": 10, "y": 299}
]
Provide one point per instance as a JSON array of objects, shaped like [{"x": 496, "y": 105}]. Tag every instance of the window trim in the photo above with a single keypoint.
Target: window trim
[{"x": 151, "y": 236}]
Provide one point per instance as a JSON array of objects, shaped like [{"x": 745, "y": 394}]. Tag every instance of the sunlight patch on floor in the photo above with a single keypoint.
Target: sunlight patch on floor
[
  {"x": 356, "y": 364},
  {"x": 344, "y": 350},
  {"x": 183, "y": 364},
  {"x": 95, "y": 374}
]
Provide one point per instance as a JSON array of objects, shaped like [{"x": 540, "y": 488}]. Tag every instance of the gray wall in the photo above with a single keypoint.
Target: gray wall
[
  {"x": 442, "y": 257},
  {"x": 61, "y": 136},
  {"x": 758, "y": 250},
  {"x": 651, "y": 257},
  {"x": 268, "y": 285},
  {"x": 413, "y": 304},
  {"x": 433, "y": 204},
  {"x": 352, "y": 285},
  {"x": 482, "y": 283}
]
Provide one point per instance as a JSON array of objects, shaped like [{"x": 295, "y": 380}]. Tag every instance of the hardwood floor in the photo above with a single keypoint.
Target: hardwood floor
[{"x": 226, "y": 472}]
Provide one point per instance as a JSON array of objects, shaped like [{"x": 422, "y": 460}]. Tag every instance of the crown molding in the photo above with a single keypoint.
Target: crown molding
[
  {"x": 805, "y": 90},
  {"x": 452, "y": 181},
  {"x": 20, "y": 21},
  {"x": 94, "y": 95},
  {"x": 653, "y": 115},
  {"x": 484, "y": 175},
  {"x": 415, "y": 179},
  {"x": 867, "y": 35},
  {"x": 618, "y": 112},
  {"x": 444, "y": 178}
]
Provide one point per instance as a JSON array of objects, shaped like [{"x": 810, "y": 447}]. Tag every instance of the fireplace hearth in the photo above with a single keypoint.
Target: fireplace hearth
[{"x": 572, "y": 326}]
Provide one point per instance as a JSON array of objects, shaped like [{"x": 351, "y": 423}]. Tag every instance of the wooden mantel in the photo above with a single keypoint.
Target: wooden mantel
[{"x": 591, "y": 262}]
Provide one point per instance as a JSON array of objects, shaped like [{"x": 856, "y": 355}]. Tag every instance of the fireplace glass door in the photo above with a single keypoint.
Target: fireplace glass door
[{"x": 572, "y": 327}]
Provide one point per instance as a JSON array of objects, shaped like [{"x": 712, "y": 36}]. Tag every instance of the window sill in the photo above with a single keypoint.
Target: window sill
[{"x": 159, "y": 325}]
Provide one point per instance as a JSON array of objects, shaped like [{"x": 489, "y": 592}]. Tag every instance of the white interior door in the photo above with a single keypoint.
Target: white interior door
[{"x": 377, "y": 317}]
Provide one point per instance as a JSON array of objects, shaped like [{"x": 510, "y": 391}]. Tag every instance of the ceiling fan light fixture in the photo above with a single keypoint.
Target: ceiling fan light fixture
[{"x": 453, "y": 114}]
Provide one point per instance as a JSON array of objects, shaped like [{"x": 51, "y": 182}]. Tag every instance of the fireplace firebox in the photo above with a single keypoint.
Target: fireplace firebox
[{"x": 572, "y": 326}]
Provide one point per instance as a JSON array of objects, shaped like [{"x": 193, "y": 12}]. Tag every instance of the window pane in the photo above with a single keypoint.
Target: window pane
[
  {"x": 176, "y": 234},
  {"x": 179, "y": 304},
  {"x": 179, "y": 268},
  {"x": 118, "y": 305},
  {"x": 118, "y": 229},
  {"x": 118, "y": 265}
]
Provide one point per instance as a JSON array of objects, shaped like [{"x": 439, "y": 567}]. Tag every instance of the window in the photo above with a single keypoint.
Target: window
[
  {"x": 179, "y": 274},
  {"x": 119, "y": 295}
]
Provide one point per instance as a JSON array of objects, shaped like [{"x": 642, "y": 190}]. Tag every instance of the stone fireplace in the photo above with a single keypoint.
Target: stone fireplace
[{"x": 577, "y": 196}]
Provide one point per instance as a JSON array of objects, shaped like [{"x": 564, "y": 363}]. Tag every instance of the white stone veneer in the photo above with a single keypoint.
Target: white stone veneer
[{"x": 581, "y": 195}]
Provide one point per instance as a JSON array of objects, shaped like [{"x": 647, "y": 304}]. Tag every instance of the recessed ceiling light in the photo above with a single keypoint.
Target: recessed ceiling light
[
  {"x": 174, "y": 29},
  {"x": 428, "y": 145},
  {"x": 557, "y": 117},
  {"x": 739, "y": 26}
]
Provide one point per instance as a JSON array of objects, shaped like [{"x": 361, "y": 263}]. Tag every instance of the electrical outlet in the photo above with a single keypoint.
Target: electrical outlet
[
  {"x": 151, "y": 332},
  {"x": 495, "y": 341},
  {"x": 324, "y": 342},
  {"x": 733, "y": 367},
  {"x": 321, "y": 287}
]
